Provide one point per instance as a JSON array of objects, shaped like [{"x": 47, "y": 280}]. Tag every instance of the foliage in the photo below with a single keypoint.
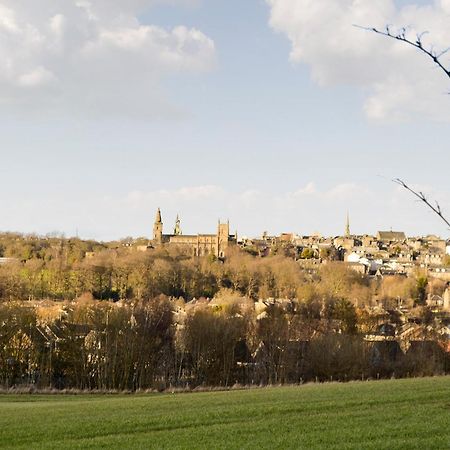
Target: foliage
[
  {"x": 307, "y": 253},
  {"x": 124, "y": 319},
  {"x": 421, "y": 289}
]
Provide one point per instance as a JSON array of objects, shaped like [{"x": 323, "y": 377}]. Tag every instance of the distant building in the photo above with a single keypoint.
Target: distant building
[
  {"x": 388, "y": 237},
  {"x": 197, "y": 245},
  {"x": 347, "y": 243}
]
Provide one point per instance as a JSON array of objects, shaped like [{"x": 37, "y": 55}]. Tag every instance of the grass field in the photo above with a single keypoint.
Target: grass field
[{"x": 409, "y": 414}]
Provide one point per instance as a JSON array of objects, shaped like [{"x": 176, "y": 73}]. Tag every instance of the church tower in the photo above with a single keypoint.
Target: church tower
[
  {"x": 177, "y": 229},
  {"x": 223, "y": 235},
  {"x": 158, "y": 229}
]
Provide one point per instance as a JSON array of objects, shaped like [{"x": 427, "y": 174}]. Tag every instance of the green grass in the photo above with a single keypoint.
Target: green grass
[{"x": 393, "y": 414}]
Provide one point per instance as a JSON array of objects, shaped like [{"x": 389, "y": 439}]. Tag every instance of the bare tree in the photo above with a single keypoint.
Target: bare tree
[
  {"x": 437, "y": 59},
  {"x": 417, "y": 43},
  {"x": 420, "y": 195}
]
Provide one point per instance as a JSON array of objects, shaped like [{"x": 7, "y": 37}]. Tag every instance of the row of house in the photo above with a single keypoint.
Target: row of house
[{"x": 386, "y": 253}]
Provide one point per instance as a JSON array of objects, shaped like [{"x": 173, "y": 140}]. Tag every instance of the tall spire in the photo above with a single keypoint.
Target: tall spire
[
  {"x": 177, "y": 229},
  {"x": 347, "y": 226}
]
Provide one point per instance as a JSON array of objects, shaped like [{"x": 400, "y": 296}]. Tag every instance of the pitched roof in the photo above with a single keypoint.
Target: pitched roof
[{"x": 391, "y": 236}]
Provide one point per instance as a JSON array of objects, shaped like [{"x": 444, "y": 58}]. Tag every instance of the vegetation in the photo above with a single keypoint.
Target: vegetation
[
  {"x": 123, "y": 319},
  {"x": 394, "y": 414},
  {"x": 55, "y": 268}
]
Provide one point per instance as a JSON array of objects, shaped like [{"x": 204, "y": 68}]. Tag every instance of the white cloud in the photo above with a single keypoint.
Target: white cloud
[
  {"x": 304, "y": 210},
  {"x": 189, "y": 194},
  {"x": 37, "y": 77},
  {"x": 398, "y": 81},
  {"x": 310, "y": 188},
  {"x": 92, "y": 56}
]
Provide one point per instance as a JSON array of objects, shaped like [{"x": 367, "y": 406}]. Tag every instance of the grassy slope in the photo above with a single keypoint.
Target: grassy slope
[{"x": 386, "y": 414}]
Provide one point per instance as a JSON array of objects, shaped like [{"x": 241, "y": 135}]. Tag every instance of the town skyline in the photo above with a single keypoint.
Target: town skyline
[{"x": 177, "y": 222}]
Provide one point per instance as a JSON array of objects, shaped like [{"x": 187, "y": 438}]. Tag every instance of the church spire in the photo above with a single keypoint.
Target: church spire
[
  {"x": 158, "y": 216},
  {"x": 347, "y": 226}
]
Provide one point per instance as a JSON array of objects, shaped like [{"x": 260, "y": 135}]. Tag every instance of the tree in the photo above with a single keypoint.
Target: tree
[
  {"x": 436, "y": 57},
  {"x": 208, "y": 339},
  {"x": 421, "y": 289},
  {"x": 401, "y": 36},
  {"x": 307, "y": 253},
  {"x": 420, "y": 195}
]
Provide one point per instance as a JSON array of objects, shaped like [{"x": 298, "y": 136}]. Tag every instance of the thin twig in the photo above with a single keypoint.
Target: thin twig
[
  {"x": 420, "y": 195},
  {"x": 417, "y": 43}
]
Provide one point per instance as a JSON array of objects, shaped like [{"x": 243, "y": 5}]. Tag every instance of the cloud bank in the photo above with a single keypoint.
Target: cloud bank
[
  {"x": 398, "y": 81},
  {"x": 92, "y": 56},
  {"x": 305, "y": 210}
]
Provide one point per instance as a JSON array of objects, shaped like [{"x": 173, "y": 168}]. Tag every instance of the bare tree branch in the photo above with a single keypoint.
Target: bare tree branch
[
  {"x": 420, "y": 195},
  {"x": 417, "y": 43}
]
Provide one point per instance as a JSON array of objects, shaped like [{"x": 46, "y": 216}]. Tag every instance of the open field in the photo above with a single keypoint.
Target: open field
[{"x": 365, "y": 415}]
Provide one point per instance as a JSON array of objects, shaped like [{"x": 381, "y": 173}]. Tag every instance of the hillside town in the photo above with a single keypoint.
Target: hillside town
[
  {"x": 385, "y": 253},
  {"x": 282, "y": 298},
  {"x": 382, "y": 254}
]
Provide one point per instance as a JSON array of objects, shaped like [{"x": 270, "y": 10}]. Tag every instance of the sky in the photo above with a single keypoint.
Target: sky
[{"x": 278, "y": 115}]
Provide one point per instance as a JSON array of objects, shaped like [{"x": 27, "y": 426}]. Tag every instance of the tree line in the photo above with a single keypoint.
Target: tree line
[
  {"x": 157, "y": 344},
  {"x": 128, "y": 320},
  {"x": 57, "y": 268}
]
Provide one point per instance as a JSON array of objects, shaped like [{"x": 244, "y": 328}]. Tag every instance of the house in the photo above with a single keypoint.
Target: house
[
  {"x": 384, "y": 332},
  {"x": 441, "y": 273},
  {"x": 355, "y": 260},
  {"x": 435, "y": 301},
  {"x": 357, "y": 267},
  {"x": 368, "y": 241},
  {"x": 431, "y": 257},
  {"x": 353, "y": 257},
  {"x": 386, "y": 271},
  {"x": 346, "y": 243},
  {"x": 436, "y": 243}
]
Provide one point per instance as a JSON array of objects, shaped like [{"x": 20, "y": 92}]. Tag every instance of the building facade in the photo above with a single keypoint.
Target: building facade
[{"x": 197, "y": 245}]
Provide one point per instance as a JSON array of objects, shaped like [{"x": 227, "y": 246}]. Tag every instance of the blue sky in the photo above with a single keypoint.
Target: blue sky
[{"x": 234, "y": 125}]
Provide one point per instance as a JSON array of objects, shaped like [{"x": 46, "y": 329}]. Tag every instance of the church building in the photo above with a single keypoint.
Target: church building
[{"x": 197, "y": 245}]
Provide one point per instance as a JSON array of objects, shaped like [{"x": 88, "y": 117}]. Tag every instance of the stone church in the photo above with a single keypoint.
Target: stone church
[{"x": 197, "y": 245}]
